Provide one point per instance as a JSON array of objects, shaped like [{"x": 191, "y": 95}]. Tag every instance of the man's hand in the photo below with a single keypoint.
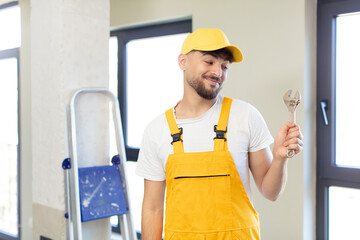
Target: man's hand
[
  {"x": 270, "y": 172},
  {"x": 289, "y": 137}
]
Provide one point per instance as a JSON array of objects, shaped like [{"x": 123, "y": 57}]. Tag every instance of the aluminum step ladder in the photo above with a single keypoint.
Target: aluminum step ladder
[{"x": 96, "y": 192}]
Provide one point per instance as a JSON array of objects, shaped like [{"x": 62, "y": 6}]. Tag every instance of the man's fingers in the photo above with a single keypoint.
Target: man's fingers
[{"x": 294, "y": 140}]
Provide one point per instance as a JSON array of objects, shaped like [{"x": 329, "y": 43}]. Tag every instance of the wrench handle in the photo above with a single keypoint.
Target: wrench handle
[
  {"x": 291, "y": 153},
  {"x": 292, "y": 117}
]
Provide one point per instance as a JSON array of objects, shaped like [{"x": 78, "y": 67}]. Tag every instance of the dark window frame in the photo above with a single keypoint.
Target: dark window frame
[
  {"x": 6, "y": 54},
  {"x": 125, "y": 35},
  {"x": 328, "y": 174}
]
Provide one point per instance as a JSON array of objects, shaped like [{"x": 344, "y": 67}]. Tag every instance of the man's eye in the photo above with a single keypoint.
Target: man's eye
[{"x": 209, "y": 62}]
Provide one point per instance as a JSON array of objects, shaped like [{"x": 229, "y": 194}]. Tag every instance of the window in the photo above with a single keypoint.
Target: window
[
  {"x": 147, "y": 50},
  {"x": 145, "y": 75},
  {"x": 338, "y": 80},
  {"x": 9, "y": 138}
]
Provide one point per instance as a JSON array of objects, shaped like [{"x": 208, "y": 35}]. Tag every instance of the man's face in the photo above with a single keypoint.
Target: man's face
[{"x": 205, "y": 72}]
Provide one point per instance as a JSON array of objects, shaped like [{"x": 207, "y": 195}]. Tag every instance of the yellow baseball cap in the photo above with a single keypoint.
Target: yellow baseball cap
[{"x": 210, "y": 39}]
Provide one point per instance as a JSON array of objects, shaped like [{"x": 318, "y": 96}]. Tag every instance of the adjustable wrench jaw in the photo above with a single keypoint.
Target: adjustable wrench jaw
[{"x": 292, "y": 103}]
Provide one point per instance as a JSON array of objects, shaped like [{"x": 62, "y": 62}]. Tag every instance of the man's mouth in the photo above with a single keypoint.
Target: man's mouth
[{"x": 214, "y": 80}]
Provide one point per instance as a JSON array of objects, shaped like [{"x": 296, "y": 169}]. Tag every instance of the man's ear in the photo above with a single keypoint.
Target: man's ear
[{"x": 182, "y": 61}]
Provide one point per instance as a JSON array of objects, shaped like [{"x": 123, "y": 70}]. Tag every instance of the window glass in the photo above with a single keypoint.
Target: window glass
[
  {"x": 154, "y": 81},
  {"x": 10, "y": 28},
  {"x": 136, "y": 192},
  {"x": 8, "y": 146},
  {"x": 347, "y": 88},
  {"x": 344, "y": 213}
]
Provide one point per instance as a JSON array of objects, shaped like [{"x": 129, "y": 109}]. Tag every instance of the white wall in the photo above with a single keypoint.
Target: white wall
[
  {"x": 25, "y": 125},
  {"x": 4, "y": 2},
  {"x": 310, "y": 120},
  {"x": 64, "y": 47},
  {"x": 277, "y": 39}
]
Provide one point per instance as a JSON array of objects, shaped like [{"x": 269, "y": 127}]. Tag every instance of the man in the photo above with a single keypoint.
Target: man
[{"x": 202, "y": 149}]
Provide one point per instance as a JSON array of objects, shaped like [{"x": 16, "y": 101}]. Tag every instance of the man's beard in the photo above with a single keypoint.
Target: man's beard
[{"x": 201, "y": 90}]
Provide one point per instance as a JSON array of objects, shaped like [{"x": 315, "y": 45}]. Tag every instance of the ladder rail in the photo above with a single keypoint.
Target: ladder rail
[
  {"x": 122, "y": 166},
  {"x": 73, "y": 208}
]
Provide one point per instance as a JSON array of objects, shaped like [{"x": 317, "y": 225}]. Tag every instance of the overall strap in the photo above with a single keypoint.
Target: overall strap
[
  {"x": 176, "y": 133},
  {"x": 221, "y": 129}
]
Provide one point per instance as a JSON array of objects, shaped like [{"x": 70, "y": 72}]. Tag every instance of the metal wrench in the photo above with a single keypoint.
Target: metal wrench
[{"x": 292, "y": 103}]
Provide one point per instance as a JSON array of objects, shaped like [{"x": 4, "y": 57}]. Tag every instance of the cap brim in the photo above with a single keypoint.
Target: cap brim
[{"x": 237, "y": 54}]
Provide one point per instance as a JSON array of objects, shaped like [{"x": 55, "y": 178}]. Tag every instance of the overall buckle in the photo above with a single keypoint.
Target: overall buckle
[
  {"x": 219, "y": 133},
  {"x": 177, "y": 136}
]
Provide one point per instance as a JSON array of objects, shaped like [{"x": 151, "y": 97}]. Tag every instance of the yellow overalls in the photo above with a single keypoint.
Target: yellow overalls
[{"x": 205, "y": 197}]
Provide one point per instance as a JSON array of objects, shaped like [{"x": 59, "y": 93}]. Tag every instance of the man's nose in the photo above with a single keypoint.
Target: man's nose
[{"x": 217, "y": 70}]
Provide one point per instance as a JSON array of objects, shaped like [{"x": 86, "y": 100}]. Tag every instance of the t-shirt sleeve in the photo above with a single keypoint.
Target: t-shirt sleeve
[
  {"x": 149, "y": 164},
  {"x": 260, "y": 136}
]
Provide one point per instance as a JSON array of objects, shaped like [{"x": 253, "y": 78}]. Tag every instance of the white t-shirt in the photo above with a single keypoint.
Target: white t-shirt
[{"x": 246, "y": 132}]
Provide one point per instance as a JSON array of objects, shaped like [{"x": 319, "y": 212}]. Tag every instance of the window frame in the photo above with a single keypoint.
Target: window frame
[
  {"x": 328, "y": 174},
  {"x": 6, "y": 54},
  {"x": 125, "y": 35}
]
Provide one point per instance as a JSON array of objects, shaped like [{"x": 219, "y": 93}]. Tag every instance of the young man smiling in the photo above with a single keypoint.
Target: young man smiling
[{"x": 202, "y": 150}]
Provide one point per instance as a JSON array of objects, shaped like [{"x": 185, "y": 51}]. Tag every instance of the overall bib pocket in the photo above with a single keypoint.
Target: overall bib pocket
[{"x": 208, "y": 199}]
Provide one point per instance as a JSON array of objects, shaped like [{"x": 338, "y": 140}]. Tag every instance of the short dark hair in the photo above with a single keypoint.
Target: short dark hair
[{"x": 224, "y": 53}]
